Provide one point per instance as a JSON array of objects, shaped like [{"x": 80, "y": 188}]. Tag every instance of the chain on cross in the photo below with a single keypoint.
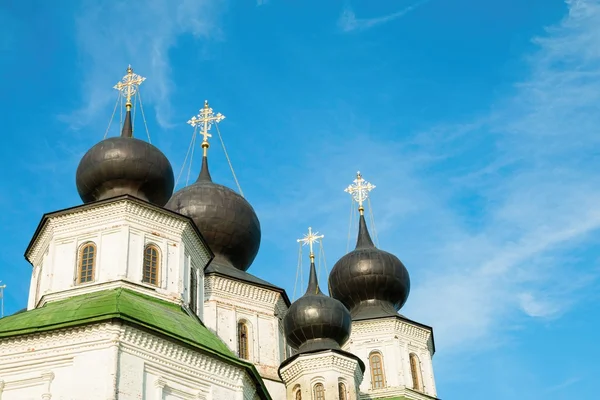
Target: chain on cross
[
  {"x": 360, "y": 191},
  {"x": 128, "y": 86},
  {"x": 309, "y": 239},
  {"x": 205, "y": 119}
]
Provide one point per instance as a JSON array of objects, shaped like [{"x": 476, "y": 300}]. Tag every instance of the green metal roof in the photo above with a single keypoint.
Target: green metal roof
[{"x": 131, "y": 307}]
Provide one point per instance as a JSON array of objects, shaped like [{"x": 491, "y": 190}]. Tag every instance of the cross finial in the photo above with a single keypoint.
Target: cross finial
[
  {"x": 309, "y": 239},
  {"x": 128, "y": 86},
  {"x": 205, "y": 118},
  {"x": 360, "y": 191}
]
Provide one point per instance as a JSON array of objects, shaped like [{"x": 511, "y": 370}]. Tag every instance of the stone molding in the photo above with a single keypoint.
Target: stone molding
[
  {"x": 201, "y": 389},
  {"x": 314, "y": 363},
  {"x": 123, "y": 212},
  {"x": 239, "y": 294},
  {"x": 405, "y": 392},
  {"x": 139, "y": 287},
  {"x": 44, "y": 379},
  {"x": 390, "y": 326},
  {"x": 20, "y": 353},
  {"x": 82, "y": 338}
]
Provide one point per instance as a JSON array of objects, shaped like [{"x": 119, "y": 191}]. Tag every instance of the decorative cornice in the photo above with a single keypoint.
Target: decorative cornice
[
  {"x": 178, "y": 358},
  {"x": 140, "y": 287},
  {"x": 320, "y": 362},
  {"x": 20, "y": 353},
  {"x": 395, "y": 391},
  {"x": 76, "y": 339},
  {"x": 388, "y": 327},
  {"x": 236, "y": 293},
  {"x": 120, "y": 212}
]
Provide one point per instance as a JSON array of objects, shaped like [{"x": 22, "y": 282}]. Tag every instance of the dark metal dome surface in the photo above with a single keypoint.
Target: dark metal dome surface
[
  {"x": 125, "y": 165},
  {"x": 316, "y": 321},
  {"x": 225, "y": 219},
  {"x": 370, "y": 282}
]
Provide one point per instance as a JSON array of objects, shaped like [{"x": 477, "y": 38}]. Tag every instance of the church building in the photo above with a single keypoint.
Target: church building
[{"x": 142, "y": 293}]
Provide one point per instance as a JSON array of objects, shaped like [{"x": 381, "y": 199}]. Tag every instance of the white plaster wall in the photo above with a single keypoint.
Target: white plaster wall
[
  {"x": 276, "y": 389},
  {"x": 52, "y": 369},
  {"x": 153, "y": 368},
  {"x": 327, "y": 368},
  {"x": 106, "y": 361},
  {"x": 120, "y": 231},
  {"x": 227, "y": 301},
  {"x": 395, "y": 339}
]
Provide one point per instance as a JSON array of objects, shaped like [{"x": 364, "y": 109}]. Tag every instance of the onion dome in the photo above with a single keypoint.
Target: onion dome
[
  {"x": 370, "y": 282},
  {"x": 315, "y": 321},
  {"x": 226, "y": 220},
  {"x": 125, "y": 165}
]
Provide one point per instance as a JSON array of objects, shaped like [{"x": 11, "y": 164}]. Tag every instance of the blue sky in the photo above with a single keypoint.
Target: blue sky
[{"x": 478, "y": 121}]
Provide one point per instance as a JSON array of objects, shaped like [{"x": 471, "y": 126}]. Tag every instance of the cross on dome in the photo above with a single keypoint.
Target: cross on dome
[
  {"x": 205, "y": 119},
  {"x": 128, "y": 86},
  {"x": 360, "y": 191},
  {"x": 309, "y": 239}
]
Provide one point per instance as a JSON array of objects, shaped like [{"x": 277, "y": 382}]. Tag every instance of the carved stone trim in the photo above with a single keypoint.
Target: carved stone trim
[
  {"x": 390, "y": 326},
  {"x": 230, "y": 291},
  {"x": 314, "y": 363},
  {"x": 114, "y": 214}
]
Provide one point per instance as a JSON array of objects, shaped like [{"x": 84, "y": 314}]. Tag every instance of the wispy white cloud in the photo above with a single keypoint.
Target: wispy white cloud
[
  {"x": 111, "y": 35},
  {"x": 348, "y": 21},
  {"x": 539, "y": 192},
  {"x": 565, "y": 384},
  {"x": 528, "y": 173}
]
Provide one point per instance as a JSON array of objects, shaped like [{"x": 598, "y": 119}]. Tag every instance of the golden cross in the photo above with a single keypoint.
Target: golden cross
[
  {"x": 309, "y": 240},
  {"x": 128, "y": 86},
  {"x": 360, "y": 191},
  {"x": 206, "y": 118}
]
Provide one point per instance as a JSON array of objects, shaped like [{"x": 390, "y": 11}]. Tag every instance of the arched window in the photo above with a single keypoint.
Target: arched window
[
  {"x": 319, "y": 392},
  {"x": 87, "y": 263},
  {"x": 415, "y": 372},
  {"x": 151, "y": 265},
  {"x": 342, "y": 391},
  {"x": 297, "y": 392},
  {"x": 193, "y": 290},
  {"x": 376, "y": 364},
  {"x": 243, "y": 340}
]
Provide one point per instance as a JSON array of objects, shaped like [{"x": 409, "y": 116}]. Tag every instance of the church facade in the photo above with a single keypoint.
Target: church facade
[{"x": 142, "y": 293}]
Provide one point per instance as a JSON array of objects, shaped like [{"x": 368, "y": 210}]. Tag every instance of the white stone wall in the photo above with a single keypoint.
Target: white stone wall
[
  {"x": 75, "y": 364},
  {"x": 120, "y": 230},
  {"x": 109, "y": 361},
  {"x": 327, "y": 368},
  {"x": 227, "y": 301},
  {"x": 395, "y": 339}
]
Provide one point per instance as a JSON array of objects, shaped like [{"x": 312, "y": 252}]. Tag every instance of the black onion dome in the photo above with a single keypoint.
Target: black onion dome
[
  {"x": 370, "y": 282},
  {"x": 225, "y": 219},
  {"x": 125, "y": 165},
  {"x": 316, "y": 321}
]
